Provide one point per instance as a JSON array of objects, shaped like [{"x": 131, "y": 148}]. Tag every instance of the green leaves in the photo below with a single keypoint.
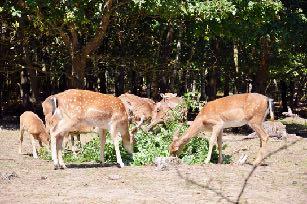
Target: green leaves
[{"x": 149, "y": 145}]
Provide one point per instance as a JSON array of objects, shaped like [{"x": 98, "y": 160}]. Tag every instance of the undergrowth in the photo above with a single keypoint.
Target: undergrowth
[{"x": 148, "y": 146}]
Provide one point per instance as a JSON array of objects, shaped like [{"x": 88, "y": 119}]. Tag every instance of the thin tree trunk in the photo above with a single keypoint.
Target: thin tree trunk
[
  {"x": 103, "y": 81},
  {"x": 263, "y": 71},
  {"x": 32, "y": 75},
  {"x": 211, "y": 88},
  {"x": 236, "y": 66},
  {"x": 203, "y": 95},
  {"x": 25, "y": 89},
  {"x": 165, "y": 58},
  {"x": 284, "y": 101},
  {"x": 212, "y": 74},
  {"x": 182, "y": 82},
  {"x": 148, "y": 86},
  {"x": 154, "y": 85},
  {"x": 291, "y": 95},
  {"x": 226, "y": 82},
  {"x": 133, "y": 82},
  {"x": 119, "y": 82}
]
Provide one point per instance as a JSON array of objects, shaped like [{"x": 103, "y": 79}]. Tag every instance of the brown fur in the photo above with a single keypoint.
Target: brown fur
[
  {"x": 31, "y": 123},
  {"x": 138, "y": 107},
  {"x": 81, "y": 107},
  {"x": 231, "y": 111},
  {"x": 162, "y": 109}
]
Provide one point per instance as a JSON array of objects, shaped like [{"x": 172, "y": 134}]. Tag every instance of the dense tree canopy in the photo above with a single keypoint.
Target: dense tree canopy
[{"x": 214, "y": 47}]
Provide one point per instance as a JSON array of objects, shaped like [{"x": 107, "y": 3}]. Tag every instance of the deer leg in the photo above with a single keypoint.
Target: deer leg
[
  {"x": 138, "y": 125},
  {"x": 102, "y": 135},
  {"x": 59, "y": 148},
  {"x": 220, "y": 146},
  {"x": 72, "y": 140},
  {"x": 258, "y": 128},
  {"x": 73, "y": 145},
  {"x": 33, "y": 147},
  {"x": 54, "y": 151},
  {"x": 215, "y": 132},
  {"x": 21, "y": 140},
  {"x": 114, "y": 135},
  {"x": 79, "y": 139}
]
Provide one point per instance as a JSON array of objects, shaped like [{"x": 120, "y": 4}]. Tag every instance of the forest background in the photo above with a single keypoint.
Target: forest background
[{"x": 214, "y": 48}]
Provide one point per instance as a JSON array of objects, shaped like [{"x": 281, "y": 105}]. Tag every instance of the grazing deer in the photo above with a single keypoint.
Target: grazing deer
[
  {"x": 139, "y": 109},
  {"x": 31, "y": 123},
  {"x": 230, "y": 111},
  {"x": 73, "y": 108},
  {"x": 162, "y": 109}
]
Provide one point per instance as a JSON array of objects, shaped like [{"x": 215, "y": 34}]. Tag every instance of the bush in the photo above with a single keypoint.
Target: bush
[{"x": 149, "y": 145}]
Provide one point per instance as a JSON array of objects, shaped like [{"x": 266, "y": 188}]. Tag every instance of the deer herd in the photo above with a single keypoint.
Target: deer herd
[{"x": 77, "y": 111}]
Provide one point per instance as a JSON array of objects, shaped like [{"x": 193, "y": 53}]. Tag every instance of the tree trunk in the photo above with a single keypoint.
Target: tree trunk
[
  {"x": 2, "y": 78},
  {"x": 25, "y": 89},
  {"x": 148, "y": 85},
  {"x": 77, "y": 72},
  {"x": 203, "y": 95},
  {"x": 226, "y": 82},
  {"x": 263, "y": 71},
  {"x": 80, "y": 52},
  {"x": 211, "y": 88},
  {"x": 119, "y": 82},
  {"x": 212, "y": 74},
  {"x": 284, "y": 101},
  {"x": 133, "y": 82},
  {"x": 102, "y": 81},
  {"x": 236, "y": 67},
  {"x": 154, "y": 85},
  {"x": 292, "y": 93},
  {"x": 182, "y": 82},
  {"x": 165, "y": 58}
]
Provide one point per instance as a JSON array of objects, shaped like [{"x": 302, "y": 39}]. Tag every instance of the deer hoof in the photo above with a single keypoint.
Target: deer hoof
[
  {"x": 121, "y": 165},
  {"x": 56, "y": 166}
]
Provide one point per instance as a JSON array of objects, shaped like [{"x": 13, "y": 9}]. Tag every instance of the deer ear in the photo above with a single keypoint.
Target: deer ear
[
  {"x": 175, "y": 94},
  {"x": 162, "y": 95}
]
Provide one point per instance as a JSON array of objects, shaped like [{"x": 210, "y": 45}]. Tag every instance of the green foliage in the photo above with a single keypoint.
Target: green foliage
[
  {"x": 149, "y": 145},
  {"x": 196, "y": 151},
  {"x": 44, "y": 153},
  {"x": 192, "y": 100}
]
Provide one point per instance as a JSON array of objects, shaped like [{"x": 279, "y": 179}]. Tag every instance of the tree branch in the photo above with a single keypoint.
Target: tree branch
[
  {"x": 74, "y": 38},
  {"x": 66, "y": 39},
  {"x": 94, "y": 43}
]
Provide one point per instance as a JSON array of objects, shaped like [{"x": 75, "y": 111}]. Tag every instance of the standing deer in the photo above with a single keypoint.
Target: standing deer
[
  {"x": 230, "y": 111},
  {"x": 73, "y": 108},
  {"x": 139, "y": 109},
  {"x": 73, "y": 133},
  {"x": 31, "y": 123},
  {"x": 162, "y": 110}
]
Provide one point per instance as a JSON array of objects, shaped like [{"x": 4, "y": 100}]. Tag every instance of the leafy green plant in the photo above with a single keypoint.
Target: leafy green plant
[
  {"x": 44, "y": 153},
  {"x": 192, "y": 100},
  {"x": 148, "y": 146}
]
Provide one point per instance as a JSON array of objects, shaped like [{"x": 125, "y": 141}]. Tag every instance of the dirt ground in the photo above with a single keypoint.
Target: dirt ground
[{"x": 282, "y": 180}]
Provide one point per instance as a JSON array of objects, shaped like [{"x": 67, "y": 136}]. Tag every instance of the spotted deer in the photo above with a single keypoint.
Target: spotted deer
[
  {"x": 162, "y": 110},
  {"x": 139, "y": 109},
  {"x": 34, "y": 126},
  {"x": 73, "y": 108},
  {"x": 230, "y": 111},
  {"x": 73, "y": 133}
]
